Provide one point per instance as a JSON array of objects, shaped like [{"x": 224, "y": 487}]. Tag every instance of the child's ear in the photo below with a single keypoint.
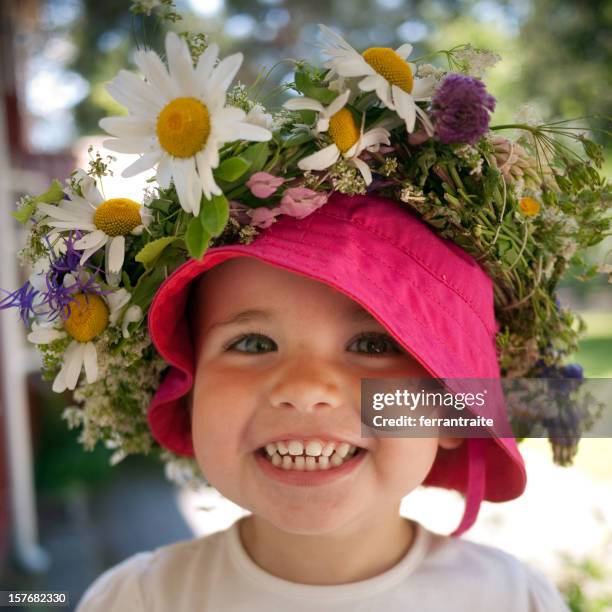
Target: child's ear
[{"x": 449, "y": 443}]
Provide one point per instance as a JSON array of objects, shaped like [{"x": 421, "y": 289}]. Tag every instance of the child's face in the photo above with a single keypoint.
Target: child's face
[{"x": 299, "y": 378}]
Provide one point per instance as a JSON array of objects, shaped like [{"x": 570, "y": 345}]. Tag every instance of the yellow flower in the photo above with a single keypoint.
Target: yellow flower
[
  {"x": 348, "y": 139},
  {"x": 529, "y": 206},
  {"x": 178, "y": 119},
  {"x": 385, "y": 71}
]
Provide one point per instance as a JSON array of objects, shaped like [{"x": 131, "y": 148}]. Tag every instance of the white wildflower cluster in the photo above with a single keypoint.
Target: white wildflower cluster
[
  {"x": 563, "y": 230},
  {"x": 310, "y": 180},
  {"x": 412, "y": 193},
  {"x": 471, "y": 156},
  {"x": 429, "y": 70},
  {"x": 149, "y": 195},
  {"x": 282, "y": 117},
  {"x": 238, "y": 96},
  {"x": 389, "y": 166},
  {"x": 247, "y": 234},
  {"x": 256, "y": 114},
  {"x": 528, "y": 114},
  {"x": 34, "y": 247},
  {"x": 346, "y": 178},
  {"x": 197, "y": 43},
  {"x": 475, "y": 62},
  {"x": 113, "y": 408}
]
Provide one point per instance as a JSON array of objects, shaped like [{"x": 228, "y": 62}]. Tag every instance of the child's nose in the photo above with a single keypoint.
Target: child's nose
[{"x": 307, "y": 389}]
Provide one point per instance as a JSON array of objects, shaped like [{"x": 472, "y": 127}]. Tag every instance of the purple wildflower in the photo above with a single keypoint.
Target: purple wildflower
[
  {"x": 54, "y": 300},
  {"x": 58, "y": 295},
  {"x": 22, "y": 298},
  {"x": 573, "y": 370},
  {"x": 460, "y": 109}
]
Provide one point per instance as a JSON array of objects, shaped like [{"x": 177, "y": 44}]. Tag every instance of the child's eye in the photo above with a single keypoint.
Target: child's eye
[
  {"x": 257, "y": 342},
  {"x": 376, "y": 344},
  {"x": 373, "y": 344}
]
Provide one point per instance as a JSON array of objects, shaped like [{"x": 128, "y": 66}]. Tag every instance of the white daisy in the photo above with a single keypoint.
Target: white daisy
[
  {"x": 179, "y": 120},
  {"x": 385, "y": 71},
  {"x": 347, "y": 138},
  {"x": 88, "y": 317},
  {"x": 104, "y": 222}
]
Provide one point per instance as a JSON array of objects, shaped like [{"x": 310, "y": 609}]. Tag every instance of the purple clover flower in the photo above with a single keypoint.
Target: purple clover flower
[
  {"x": 57, "y": 296},
  {"x": 460, "y": 109}
]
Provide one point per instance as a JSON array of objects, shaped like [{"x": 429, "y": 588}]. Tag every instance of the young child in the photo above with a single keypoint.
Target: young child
[{"x": 268, "y": 343}]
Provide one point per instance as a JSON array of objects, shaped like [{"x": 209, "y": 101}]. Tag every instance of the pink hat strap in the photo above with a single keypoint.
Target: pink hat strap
[{"x": 475, "y": 485}]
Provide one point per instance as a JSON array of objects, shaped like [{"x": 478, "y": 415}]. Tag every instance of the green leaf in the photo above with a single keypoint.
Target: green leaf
[
  {"x": 196, "y": 238},
  {"x": 54, "y": 194},
  {"x": 257, "y": 155},
  {"x": 304, "y": 84},
  {"x": 126, "y": 280},
  {"x": 160, "y": 204},
  {"x": 25, "y": 212},
  {"x": 51, "y": 196},
  {"x": 232, "y": 169},
  {"x": 151, "y": 251},
  {"x": 214, "y": 214},
  {"x": 147, "y": 287},
  {"x": 298, "y": 138}
]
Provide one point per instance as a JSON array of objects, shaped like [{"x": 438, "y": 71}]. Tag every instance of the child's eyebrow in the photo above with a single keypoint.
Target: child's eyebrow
[
  {"x": 354, "y": 313},
  {"x": 244, "y": 316}
]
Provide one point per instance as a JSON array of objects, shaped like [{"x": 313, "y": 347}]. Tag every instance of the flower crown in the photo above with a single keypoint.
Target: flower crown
[{"x": 524, "y": 207}]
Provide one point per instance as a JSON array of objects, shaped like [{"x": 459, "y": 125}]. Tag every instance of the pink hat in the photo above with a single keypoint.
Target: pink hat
[{"x": 430, "y": 295}]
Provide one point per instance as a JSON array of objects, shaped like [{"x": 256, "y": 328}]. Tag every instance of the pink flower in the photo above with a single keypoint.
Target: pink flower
[
  {"x": 239, "y": 211},
  {"x": 299, "y": 202},
  {"x": 264, "y": 216},
  {"x": 263, "y": 185}
]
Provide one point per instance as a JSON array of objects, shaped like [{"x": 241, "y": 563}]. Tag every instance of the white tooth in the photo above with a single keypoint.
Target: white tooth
[
  {"x": 286, "y": 465},
  {"x": 295, "y": 447},
  {"x": 270, "y": 448},
  {"x": 311, "y": 463},
  {"x": 282, "y": 447},
  {"x": 343, "y": 449},
  {"x": 314, "y": 448},
  {"x": 276, "y": 459},
  {"x": 336, "y": 460},
  {"x": 298, "y": 462},
  {"x": 352, "y": 449},
  {"x": 328, "y": 449},
  {"x": 323, "y": 463}
]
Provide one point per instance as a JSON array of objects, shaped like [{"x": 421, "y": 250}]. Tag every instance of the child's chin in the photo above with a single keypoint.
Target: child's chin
[{"x": 309, "y": 521}]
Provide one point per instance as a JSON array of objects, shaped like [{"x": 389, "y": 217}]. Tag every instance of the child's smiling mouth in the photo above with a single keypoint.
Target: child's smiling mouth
[{"x": 312, "y": 454}]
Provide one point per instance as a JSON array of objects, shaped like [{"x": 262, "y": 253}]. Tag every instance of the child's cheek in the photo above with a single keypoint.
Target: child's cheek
[
  {"x": 219, "y": 414},
  {"x": 403, "y": 463}
]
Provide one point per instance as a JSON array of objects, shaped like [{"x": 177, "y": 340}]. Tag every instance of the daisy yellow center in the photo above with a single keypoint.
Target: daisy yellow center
[
  {"x": 87, "y": 317},
  {"x": 117, "y": 216},
  {"x": 343, "y": 129},
  {"x": 391, "y": 66},
  {"x": 529, "y": 207},
  {"x": 183, "y": 127}
]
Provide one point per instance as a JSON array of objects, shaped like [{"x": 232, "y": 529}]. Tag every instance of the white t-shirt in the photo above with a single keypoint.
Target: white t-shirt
[{"x": 215, "y": 574}]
